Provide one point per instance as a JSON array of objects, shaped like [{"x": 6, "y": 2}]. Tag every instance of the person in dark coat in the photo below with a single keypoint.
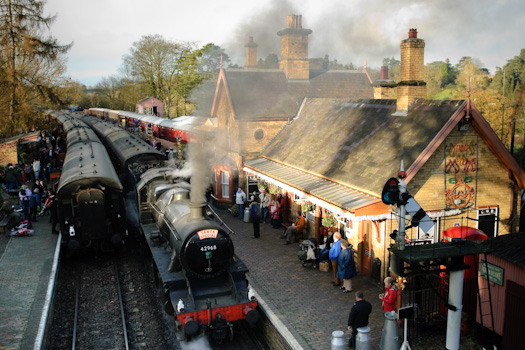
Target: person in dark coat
[
  {"x": 33, "y": 205},
  {"x": 358, "y": 316},
  {"x": 255, "y": 213},
  {"x": 323, "y": 254},
  {"x": 346, "y": 266}
]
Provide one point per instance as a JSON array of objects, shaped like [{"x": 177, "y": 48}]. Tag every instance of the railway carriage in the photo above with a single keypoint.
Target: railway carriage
[{"x": 90, "y": 200}]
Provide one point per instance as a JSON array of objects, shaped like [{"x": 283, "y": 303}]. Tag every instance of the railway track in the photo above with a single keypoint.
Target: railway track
[
  {"x": 99, "y": 322},
  {"x": 99, "y": 312}
]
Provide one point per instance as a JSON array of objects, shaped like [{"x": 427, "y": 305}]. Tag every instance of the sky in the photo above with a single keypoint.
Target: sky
[{"x": 351, "y": 31}]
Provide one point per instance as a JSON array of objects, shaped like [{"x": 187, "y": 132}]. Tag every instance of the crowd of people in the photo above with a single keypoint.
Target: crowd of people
[
  {"x": 265, "y": 208},
  {"x": 31, "y": 178}
]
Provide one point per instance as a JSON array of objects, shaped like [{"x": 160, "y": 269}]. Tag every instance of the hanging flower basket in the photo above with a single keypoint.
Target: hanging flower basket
[
  {"x": 329, "y": 221},
  {"x": 307, "y": 206}
]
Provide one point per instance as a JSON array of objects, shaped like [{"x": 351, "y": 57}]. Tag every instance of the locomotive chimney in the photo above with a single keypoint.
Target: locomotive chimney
[{"x": 196, "y": 210}]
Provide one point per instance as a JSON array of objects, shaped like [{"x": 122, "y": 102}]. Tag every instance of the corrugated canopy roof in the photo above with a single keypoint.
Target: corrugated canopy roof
[{"x": 329, "y": 191}]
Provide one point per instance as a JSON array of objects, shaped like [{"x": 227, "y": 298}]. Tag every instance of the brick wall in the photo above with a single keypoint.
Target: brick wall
[
  {"x": 407, "y": 94},
  {"x": 255, "y": 135},
  {"x": 490, "y": 181},
  {"x": 381, "y": 92},
  {"x": 8, "y": 153}
]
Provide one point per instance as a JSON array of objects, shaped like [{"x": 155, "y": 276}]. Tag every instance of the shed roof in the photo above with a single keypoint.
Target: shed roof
[{"x": 510, "y": 247}]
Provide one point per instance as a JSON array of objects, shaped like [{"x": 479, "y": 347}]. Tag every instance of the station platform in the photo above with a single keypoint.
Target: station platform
[
  {"x": 301, "y": 301},
  {"x": 28, "y": 267}
]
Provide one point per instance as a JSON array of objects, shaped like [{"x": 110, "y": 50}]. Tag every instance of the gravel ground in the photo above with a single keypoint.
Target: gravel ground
[{"x": 144, "y": 314}]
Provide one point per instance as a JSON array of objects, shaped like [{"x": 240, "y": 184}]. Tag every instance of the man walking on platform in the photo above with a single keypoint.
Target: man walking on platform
[{"x": 358, "y": 316}]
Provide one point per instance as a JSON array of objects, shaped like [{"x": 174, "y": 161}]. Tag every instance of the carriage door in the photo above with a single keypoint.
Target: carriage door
[
  {"x": 92, "y": 213},
  {"x": 365, "y": 248}
]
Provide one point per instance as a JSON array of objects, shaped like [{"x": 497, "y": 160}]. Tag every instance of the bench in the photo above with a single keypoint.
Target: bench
[{"x": 298, "y": 235}]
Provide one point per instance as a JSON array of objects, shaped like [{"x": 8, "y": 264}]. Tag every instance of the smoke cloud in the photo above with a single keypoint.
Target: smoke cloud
[{"x": 359, "y": 30}]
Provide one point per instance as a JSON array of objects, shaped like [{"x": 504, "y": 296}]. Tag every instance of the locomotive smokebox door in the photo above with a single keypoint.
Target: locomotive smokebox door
[{"x": 92, "y": 214}]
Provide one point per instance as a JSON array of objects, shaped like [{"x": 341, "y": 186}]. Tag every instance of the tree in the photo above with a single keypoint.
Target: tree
[
  {"x": 29, "y": 59},
  {"x": 271, "y": 62},
  {"x": 171, "y": 70},
  {"x": 471, "y": 69},
  {"x": 210, "y": 57},
  {"x": 490, "y": 104}
]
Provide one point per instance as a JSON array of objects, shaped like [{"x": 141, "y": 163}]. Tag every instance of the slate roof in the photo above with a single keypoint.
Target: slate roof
[
  {"x": 267, "y": 93},
  {"x": 510, "y": 247},
  {"x": 358, "y": 143}
]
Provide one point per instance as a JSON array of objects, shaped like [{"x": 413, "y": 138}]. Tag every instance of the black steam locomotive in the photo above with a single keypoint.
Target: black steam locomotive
[
  {"x": 90, "y": 200},
  {"x": 204, "y": 283}
]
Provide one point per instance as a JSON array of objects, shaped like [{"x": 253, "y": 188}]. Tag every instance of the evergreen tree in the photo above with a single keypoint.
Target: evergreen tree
[{"x": 29, "y": 60}]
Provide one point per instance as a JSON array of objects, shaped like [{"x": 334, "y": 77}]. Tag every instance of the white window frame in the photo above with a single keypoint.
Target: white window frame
[{"x": 225, "y": 184}]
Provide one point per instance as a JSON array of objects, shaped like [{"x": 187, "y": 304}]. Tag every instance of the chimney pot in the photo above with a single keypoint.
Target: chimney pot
[
  {"x": 384, "y": 73},
  {"x": 412, "y": 33}
]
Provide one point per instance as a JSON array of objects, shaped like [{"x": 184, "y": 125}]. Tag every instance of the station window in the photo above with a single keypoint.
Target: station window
[{"x": 225, "y": 184}]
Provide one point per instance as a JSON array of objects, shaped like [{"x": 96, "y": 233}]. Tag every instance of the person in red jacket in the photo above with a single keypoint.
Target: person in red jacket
[{"x": 390, "y": 295}]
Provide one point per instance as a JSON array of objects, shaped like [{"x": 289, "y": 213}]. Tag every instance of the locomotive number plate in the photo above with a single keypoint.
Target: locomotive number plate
[{"x": 207, "y": 248}]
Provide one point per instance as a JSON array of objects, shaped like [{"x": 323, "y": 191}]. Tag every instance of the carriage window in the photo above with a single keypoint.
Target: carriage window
[{"x": 225, "y": 183}]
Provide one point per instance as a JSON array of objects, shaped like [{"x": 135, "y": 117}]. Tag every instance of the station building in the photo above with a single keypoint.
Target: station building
[{"x": 329, "y": 141}]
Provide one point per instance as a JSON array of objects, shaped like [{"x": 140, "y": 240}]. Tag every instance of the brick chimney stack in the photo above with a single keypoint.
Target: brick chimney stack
[
  {"x": 412, "y": 84},
  {"x": 294, "y": 49},
  {"x": 384, "y": 88},
  {"x": 251, "y": 53}
]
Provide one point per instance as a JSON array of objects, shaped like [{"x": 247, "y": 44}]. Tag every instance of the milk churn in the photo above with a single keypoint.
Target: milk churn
[
  {"x": 338, "y": 340},
  {"x": 246, "y": 216},
  {"x": 389, "y": 337},
  {"x": 362, "y": 339}
]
